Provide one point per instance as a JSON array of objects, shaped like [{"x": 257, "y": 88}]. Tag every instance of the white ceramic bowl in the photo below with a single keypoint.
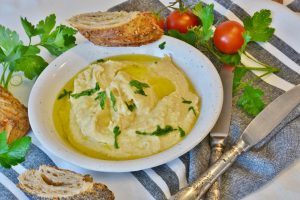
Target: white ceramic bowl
[{"x": 198, "y": 68}]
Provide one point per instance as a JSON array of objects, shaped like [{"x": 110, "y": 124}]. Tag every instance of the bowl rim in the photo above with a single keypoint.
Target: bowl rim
[{"x": 122, "y": 165}]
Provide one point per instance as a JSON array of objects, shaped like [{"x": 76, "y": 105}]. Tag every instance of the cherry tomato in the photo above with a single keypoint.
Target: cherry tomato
[
  {"x": 161, "y": 23},
  {"x": 228, "y": 67},
  {"x": 228, "y": 37},
  {"x": 181, "y": 20}
]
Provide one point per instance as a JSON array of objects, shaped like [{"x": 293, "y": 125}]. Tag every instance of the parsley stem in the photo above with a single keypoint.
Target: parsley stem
[
  {"x": 258, "y": 68},
  {"x": 2, "y": 81},
  {"x": 8, "y": 79},
  {"x": 263, "y": 64}
]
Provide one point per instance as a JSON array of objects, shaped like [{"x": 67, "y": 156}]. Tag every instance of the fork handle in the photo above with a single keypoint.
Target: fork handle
[
  {"x": 197, "y": 189},
  {"x": 216, "y": 152}
]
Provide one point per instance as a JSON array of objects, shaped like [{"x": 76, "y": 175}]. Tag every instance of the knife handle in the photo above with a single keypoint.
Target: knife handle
[
  {"x": 203, "y": 183},
  {"x": 217, "y": 145}
]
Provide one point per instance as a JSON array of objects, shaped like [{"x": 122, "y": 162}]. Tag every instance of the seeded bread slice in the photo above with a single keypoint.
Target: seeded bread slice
[
  {"x": 118, "y": 28},
  {"x": 53, "y": 183}
]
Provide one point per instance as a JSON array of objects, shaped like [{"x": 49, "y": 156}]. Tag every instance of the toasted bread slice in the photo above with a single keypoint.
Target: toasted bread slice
[
  {"x": 53, "y": 183},
  {"x": 13, "y": 116},
  {"x": 121, "y": 28}
]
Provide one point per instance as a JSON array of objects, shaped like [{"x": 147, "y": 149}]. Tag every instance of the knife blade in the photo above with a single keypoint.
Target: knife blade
[
  {"x": 221, "y": 129},
  {"x": 258, "y": 129}
]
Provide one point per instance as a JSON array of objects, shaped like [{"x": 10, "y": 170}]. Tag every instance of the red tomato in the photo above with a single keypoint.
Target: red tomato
[
  {"x": 228, "y": 37},
  {"x": 161, "y": 23},
  {"x": 181, "y": 21}
]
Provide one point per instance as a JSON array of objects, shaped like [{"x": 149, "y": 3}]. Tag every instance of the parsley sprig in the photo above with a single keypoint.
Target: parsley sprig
[
  {"x": 15, "y": 56},
  {"x": 64, "y": 93},
  {"x": 130, "y": 105},
  {"x": 88, "y": 92},
  {"x": 14, "y": 153},
  {"x": 162, "y": 131},
  {"x": 139, "y": 87},
  {"x": 116, "y": 132},
  {"x": 101, "y": 96},
  {"x": 159, "y": 131},
  {"x": 257, "y": 29},
  {"x": 113, "y": 101}
]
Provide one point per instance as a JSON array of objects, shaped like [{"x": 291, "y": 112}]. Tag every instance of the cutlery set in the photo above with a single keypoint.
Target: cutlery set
[{"x": 257, "y": 130}]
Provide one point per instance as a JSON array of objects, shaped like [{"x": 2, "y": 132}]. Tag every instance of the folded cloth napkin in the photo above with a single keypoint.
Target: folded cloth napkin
[
  {"x": 252, "y": 169},
  {"x": 265, "y": 160}
]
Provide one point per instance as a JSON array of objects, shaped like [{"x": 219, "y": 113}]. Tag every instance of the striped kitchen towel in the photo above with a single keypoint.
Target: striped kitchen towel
[{"x": 254, "y": 168}]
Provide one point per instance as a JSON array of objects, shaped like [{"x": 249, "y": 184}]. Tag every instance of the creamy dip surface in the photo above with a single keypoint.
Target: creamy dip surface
[{"x": 126, "y": 107}]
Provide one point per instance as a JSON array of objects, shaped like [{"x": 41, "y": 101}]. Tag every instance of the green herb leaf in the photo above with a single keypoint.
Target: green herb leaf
[
  {"x": 31, "y": 65},
  {"x": 3, "y": 142},
  {"x": 206, "y": 15},
  {"x": 100, "y": 61},
  {"x": 116, "y": 132},
  {"x": 9, "y": 40},
  {"x": 251, "y": 100},
  {"x": 131, "y": 105},
  {"x": 102, "y": 98},
  {"x": 88, "y": 92},
  {"x": 28, "y": 27},
  {"x": 60, "y": 40},
  {"x": 181, "y": 131},
  {"x": 162, "y": 45},
  {"x": 190, "y": 37},
  {"x": 14, "y": 153},
  {"x": 113, "y": 101},
  {"x": 159, "y": 131},
  {"x": 239, "y": 73},
  {"x": 64, "y": 93},
  {"x": 258, "y": 26},
  {"x": 44, "y": 27},
  {"x": 191, "y": 108},
  {"x": 186, "y": 101},
  {"x": 139, "y": 87},
  {"x": 247, "y": 39}
]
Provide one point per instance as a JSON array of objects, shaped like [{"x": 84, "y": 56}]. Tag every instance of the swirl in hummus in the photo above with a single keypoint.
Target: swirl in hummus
[{"x": 126, "y": 107}]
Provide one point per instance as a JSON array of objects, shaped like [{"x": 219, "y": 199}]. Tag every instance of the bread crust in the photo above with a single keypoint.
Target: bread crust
[
  {"x": 140, "y": 30},
  {"x": 13, "y": 116},
  {"x": 94, "y": 191}
]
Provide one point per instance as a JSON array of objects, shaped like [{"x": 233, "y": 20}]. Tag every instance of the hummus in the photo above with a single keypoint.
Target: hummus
[{"x": 143, "y": 105}]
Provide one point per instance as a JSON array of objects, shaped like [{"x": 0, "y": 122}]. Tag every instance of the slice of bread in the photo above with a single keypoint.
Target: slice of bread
[
  {"x": 13, "y": 116},
  {"x": 118, "y": 28},
  {"x": 53, "y": 183}
]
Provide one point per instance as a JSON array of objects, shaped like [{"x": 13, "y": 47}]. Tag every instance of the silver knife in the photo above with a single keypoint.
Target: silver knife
[
  {"x": 221, "y": 129},
  {"x": 258, "y": 129}
]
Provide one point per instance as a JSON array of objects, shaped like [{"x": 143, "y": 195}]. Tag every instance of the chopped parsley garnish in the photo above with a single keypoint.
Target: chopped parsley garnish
[
  {"x": 14, "y": 153},
  {"x": 139, "y": 87},
  {"x": 101, "y": 96},
  {"x": 159, "y": 131},
  {"x": 113, "y": 101},
  {"x": 64, "y": 93},
  {"x": 88, "y": 92},
  {"x": 162, "y": 45},
  {"x": 116, "y": 132},
  {"x": 186, "y": 101},
  {"x": 131, "y": 105},
  {"x": 100, "y": 61},
  {"x": 191, "y": 108},
  {"x": 181, "y": 131}
]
